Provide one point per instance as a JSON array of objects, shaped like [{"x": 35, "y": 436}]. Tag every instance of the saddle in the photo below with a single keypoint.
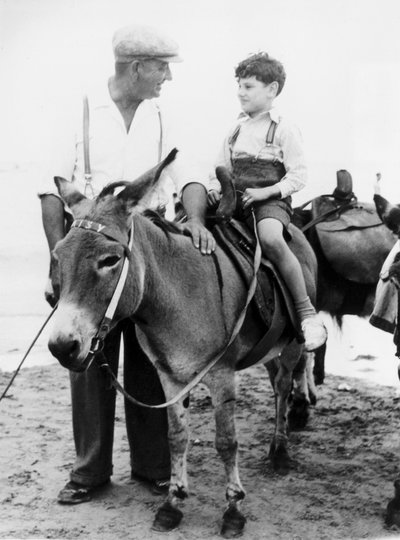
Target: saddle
[
  {"x": 271, "y": 299},
  {"x": 346, "y": 230}
]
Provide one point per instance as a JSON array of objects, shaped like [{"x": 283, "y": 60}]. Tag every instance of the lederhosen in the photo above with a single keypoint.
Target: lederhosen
[{"x": 255, "y": 172}]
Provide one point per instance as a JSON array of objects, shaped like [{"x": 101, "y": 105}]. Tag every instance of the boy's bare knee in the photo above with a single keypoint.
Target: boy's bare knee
[{"x": 273, "y": 248}]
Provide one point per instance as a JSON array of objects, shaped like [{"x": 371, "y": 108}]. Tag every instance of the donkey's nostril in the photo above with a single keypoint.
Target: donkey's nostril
[{"x": 64, "y": 349}]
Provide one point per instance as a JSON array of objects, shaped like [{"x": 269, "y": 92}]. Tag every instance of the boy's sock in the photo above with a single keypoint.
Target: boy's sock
[{"x": 304, "y": 308}]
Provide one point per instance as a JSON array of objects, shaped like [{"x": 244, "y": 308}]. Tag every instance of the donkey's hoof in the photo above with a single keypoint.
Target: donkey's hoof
[
  {"x": 233, "y": 523},
  {"x": 167, "y": 518},
  {"x": 280, "y": 460}
]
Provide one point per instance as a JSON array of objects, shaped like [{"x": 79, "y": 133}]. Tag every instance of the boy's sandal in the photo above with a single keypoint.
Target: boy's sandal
[{"x": 73, "y": 493}]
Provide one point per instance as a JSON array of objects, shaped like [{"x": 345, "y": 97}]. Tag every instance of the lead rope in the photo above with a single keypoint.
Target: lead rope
[
  {"x": 3, "y": 395},
  {"x": 206, "y": 369}
]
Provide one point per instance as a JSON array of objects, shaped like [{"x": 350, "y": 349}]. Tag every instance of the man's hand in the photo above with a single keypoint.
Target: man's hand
[
  {"x": 194, "y": 200},
  {"x": 201, "y": 237},
  {"x": 213, "y": 198}
]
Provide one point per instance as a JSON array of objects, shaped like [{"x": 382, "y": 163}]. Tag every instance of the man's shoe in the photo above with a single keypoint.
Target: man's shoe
[
  {"x": 314, "y": 332},
  {"x": 73, "y": 493},
  {"x": 160, "y": 487},
  {"x": 157, "y": 487}
]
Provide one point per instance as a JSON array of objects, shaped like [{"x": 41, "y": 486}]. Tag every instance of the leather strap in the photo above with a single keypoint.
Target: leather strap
[
  {"x": 86, "y": 156},
  {"x": 160, "y": 143},
  {"x": 269, "y": 139},
  {"x": 271, "y": 133},
  {"x": 269, "y": 339},
  {"x": 337, "y": 210}
]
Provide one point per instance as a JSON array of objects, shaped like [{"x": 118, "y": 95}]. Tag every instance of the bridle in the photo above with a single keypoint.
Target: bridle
[
  {"x": 112, "y": 233},
  {"x": 97, "y": 344}
]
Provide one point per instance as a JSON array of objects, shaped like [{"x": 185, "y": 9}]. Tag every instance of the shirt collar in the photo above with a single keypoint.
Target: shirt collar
[
  {"x": 272, "y": 113},
  {"x": 101, "y": 98}
]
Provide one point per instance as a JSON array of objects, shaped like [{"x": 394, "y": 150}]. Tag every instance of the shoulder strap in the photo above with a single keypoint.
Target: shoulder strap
[
  {"x": 271, "y": 132},
  {"x": 234, "y": 136},
  {"x": 86, "y": 157},
  {"x": 161, "y": 141},
  {"x": 232, "y": 139}
]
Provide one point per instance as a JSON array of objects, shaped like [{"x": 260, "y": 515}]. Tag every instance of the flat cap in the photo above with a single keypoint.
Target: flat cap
[{"x": 135, "y": 41}]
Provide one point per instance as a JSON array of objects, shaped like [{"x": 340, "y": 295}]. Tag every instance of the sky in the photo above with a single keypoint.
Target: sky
[{"x": 342, "y": 59}]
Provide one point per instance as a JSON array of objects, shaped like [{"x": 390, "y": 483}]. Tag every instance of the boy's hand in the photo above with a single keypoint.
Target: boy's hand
[
  {"x": 252, "y": 195},
  {"x": 213, "y": 198}
]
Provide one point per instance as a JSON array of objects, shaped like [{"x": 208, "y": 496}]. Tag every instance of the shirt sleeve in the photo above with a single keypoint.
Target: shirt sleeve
[
  {"x": 291, "y": 143},
  {"x": 62, "y": 154}
]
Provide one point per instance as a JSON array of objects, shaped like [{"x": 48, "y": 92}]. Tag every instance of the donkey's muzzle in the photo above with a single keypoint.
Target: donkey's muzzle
[{"x": 67, "y": 353}]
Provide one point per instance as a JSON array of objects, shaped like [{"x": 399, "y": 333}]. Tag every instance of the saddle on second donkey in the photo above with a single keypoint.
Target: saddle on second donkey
[{"x": 347, "y": 231}]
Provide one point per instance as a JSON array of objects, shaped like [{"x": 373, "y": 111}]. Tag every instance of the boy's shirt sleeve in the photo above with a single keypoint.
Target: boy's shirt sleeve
[{"x": 291, "y": 142}]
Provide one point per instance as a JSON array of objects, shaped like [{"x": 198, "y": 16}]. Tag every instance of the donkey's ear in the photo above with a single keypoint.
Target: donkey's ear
[
  {"x": 140, "y": 187},
  {"x": 389, "y": 213},
  {"x": 74, "y": 199}
]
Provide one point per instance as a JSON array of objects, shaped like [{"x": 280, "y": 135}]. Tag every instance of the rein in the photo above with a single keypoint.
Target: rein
[
  {"x": 97, "y": 344},
  {"x": 3, "y": 395}
]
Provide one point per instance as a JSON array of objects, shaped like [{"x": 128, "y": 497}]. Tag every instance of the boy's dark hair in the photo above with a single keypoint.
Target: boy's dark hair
[{"x": 263, "y": 68}]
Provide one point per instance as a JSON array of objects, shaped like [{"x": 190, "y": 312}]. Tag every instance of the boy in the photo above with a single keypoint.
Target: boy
[{"x": 265, "y": 155}]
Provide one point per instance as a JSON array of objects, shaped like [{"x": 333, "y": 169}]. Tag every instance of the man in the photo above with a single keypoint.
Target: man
[{"x": 127, "y": 136}]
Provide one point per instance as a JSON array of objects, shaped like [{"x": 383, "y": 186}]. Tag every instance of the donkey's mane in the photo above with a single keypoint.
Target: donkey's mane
[{"x": 164, "y": 224}]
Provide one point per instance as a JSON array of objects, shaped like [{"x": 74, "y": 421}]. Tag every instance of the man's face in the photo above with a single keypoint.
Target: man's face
[
  {"x": 255, "y": 96},
  {"x": 152, "y": 74}
]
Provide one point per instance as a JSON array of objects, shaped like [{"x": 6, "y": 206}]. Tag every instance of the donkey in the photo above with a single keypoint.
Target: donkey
[{"x": 185, "y": 306}]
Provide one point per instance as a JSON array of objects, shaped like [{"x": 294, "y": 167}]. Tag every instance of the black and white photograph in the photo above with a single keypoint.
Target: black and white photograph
[{"x": 199, "y": 269}]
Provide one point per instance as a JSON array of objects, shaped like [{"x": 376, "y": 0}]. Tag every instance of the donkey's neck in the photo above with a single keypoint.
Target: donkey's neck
[{"x": 174, "y": 272}]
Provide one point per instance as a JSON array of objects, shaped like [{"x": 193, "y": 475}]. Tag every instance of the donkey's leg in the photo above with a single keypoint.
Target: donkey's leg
[
  {"x": 169, "y": 515},
  {"x": 282, "y": 388},
  {"x": 222, "y": 387},
  {"x": 311, "y": 384},
  {"x": 302, "y": 389}
]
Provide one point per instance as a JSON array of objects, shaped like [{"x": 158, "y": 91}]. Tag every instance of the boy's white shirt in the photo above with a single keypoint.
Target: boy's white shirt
[{"x": 251, "y": 141}]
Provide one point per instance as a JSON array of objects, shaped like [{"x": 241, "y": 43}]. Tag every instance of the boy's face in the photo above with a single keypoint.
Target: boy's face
[{"x": 255, "y": 96}]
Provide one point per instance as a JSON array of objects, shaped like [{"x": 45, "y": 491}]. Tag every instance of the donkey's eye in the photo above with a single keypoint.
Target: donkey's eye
[{"x": 109, "y": 262}]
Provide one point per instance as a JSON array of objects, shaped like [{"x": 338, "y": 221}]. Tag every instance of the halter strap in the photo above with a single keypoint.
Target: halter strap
[
  {"x": 98, "y": 341},
  {"x": 110, "y": 232}
]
